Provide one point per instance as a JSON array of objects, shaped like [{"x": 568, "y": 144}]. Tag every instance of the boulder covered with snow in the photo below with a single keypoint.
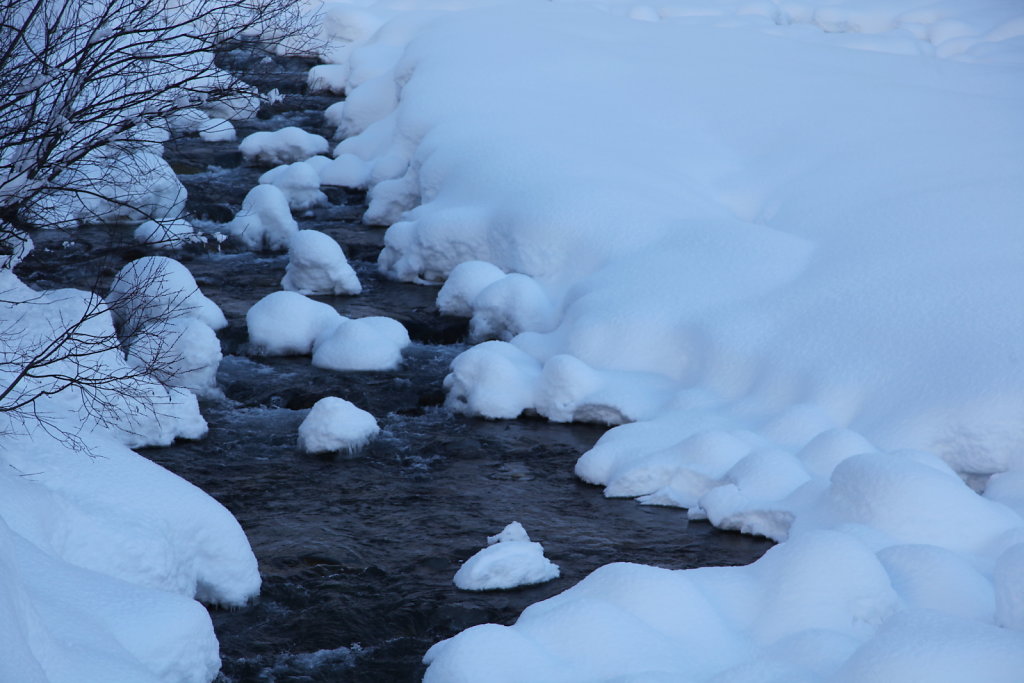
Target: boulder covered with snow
[
  {"x": 282, "y": 146},
  {"x": 510, "y": 560},
  {"x": 300, "y": 183},
  {"x": 154, "y": 288},
  {"x": 288, "y": 323},
  {"x": 216, "y": 130},
  {"x": 168, "y": 234},
  {"x": 334, "y": 424},
  {"x": 372, "y": 343},
  {"x": 265, "y": 220},
  {"x": 317, "y": 265}
]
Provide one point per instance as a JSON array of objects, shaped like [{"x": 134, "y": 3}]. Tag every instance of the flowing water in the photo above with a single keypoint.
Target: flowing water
[{"x": 357, "y": 551}]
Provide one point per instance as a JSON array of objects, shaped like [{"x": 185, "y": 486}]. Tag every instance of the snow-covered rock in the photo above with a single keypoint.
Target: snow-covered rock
[
  {"x": 165, "y": 234},
  {"x": 510, "y": 560},
  {"x": 282, "y": 146},
  {"x": 334, "y": 424},
  {"x": 317, "y": 265},
  {"x": 288, "y": 323},
  {"x": 216, "y": 130},
  {"x": 300, "y": 183},
  {"x": 265, "y": 219},
  {"x": 371, "y": 343},
  {"x": 154, "y": 288}
]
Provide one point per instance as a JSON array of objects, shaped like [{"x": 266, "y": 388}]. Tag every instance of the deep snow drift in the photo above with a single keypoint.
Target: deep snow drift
[
  {"x": 102, "y": 551},
  {"x": 780, "y": 244}
]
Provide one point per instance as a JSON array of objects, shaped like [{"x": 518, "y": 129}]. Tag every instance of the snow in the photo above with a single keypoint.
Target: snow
[
  {"x": 103, "y": 553},
  {"x": 300, "y": 183},
  {"x": 317, "y": 265},
  {"x": 165, "y": 234},
  {"x": 510, "y": 560},
  {"x": 216, "y": 130},
  {"x": 779, "y": 245},
  {"x": 155, "y": 287},
  {"x": 265, "y": 219},
  {"x": 334, "y": 424},
  {"x": 282, "y": 146},
  {"x": 464, "y": 283},
  {"x": 371, "y": 343},
  {"x": 288, "y": 323},
  {"x": 328, "y": 78}
]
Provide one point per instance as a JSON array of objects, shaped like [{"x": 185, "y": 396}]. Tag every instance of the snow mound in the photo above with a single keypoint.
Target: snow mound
[
  {"x": 216, "y": 130},
  {"x": 509, "y": 561},
  {"x": 288, "y": 323},
  {"x": 464, "y": 284},
  {"x": 347, "y": 170},
  {"x": 165, "y": 234},
  {"x": 334, "y": 424},
  {"x": 265, "y": 220},
  {"x": 317, "y": 265},
  {"x": 300, "y": 183},
  {"x": 328, "y": 78},
  {"x": 158, "y": 287},
  {"x": 282, "y": 146},
  {"x": 372, "y": 343}
]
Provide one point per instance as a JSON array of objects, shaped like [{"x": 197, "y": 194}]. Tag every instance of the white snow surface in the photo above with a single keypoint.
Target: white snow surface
[
  {"x": 510, "y": 560},
  {"x": 371, "y": 343},
  {"x": 780, "y": 244},
  {"x": 282, "y": 146},
  {"x": 265, "y": 219},
  {"x": 165, "y": 234},
  {"x": 288, "y": 323},
  {"x": 216, "y": 130},
  {"x": 334, "y": 424},
  {"x": 300, "y": 183},
  {"x": 103, "y": 552},
  {"x": 317, "y": 265}
]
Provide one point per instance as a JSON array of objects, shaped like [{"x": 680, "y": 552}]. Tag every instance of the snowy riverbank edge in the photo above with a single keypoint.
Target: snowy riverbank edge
[{"x": 780, "y": 241}]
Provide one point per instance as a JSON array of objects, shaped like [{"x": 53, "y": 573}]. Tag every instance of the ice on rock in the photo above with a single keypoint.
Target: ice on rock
[
  {"x": 265, "y": 220},
  {"x": 464, "y": 284},
  {"x": 334, "y": 424},
  {"x": 510, "y": 560},
  {"x": 288, "y": 323},
  {"x": 216, "y": 130},
  {"x": 165, "y": 234},
  {"x": 282, "y": 146},
  {"x": 372, "y": 343},
  {"x": 300, "y": 183},
  {"x": 317, "y": 265}
]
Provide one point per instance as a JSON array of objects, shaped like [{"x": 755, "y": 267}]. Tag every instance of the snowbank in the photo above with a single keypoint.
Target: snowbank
[
  {"x": 510, "y": 560},
  {"x": 300, "y": 183},
  {"x": 102, "y": 552},
  {"x": 746, "y": 230},
  {"x": 165, "y": 234},
  {"x": 334, "y": 424}
]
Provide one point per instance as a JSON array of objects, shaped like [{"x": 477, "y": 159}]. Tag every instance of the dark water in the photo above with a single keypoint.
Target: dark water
[{"x": 357, "y": 552}]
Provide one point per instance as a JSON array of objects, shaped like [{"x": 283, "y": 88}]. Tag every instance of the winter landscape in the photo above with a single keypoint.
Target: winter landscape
[{"x": 484, "y": 341}]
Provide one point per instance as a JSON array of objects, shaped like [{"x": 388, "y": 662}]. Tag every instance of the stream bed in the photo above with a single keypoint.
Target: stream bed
[{"x": 357, "y": 551}]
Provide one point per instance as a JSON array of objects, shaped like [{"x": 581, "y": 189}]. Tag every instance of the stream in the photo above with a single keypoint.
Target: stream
[{"x": 357, "y": 551}]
